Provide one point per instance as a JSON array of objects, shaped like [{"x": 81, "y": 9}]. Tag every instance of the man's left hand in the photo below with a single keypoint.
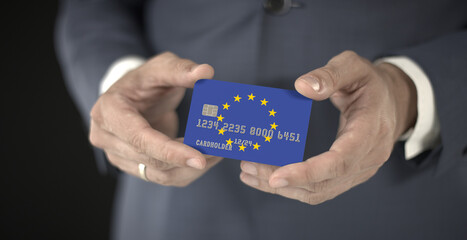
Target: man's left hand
[{"x": 377, "y": 104}]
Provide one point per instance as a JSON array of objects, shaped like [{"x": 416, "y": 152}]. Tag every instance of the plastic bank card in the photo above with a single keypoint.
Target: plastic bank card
[{"x": 248, "y": 122}]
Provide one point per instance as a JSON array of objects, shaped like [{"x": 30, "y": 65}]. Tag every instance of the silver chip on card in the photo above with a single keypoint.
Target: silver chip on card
[{"x": 210, "y": 110}]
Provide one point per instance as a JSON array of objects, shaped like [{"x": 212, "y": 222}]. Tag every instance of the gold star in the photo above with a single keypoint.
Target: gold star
[
  {"x": 229, "y": 142},
  {"x": 263, "y": 102},
  {"x": 226, "y": 106},
  {"x": 267, "y": 139},
  {"x": 272, "y": 113},
  {"x": 219, "y": 118},
  {"x": 256, "y": 146},
  {"x": 221, "y": 131},
  {"x": 251, "y": 97},
  {"x": 242, "y": 148},
  {"x": 273, "y": 126},
  {"x": 237, "y": 98}
]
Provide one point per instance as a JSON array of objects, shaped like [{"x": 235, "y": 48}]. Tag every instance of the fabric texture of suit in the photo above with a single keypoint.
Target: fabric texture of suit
[{"x": 424, "y": 198}]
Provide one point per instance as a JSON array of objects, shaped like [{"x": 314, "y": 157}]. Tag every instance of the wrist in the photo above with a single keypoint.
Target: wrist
[{"x": 404, "y": 95}]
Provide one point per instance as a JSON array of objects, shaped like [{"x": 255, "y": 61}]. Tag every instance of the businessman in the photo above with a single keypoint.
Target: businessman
[{"x": 385, "y": 157}]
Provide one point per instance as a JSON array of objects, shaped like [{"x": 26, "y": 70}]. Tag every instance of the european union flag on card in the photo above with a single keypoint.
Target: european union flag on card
[{"x": 247, "y": 122}]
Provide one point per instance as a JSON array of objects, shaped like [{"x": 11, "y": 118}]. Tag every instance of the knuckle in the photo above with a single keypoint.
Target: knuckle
[
  {"x": 341, "y": 167},
  {"x": 112, "y": 160},
  {"x": 154, "y": 64},
  {"x": 310, "y": 174},
  {"x": 320, "y": 200},
  {"x": 158, "y": 164},
  {"x": 95, "y": 113},
  {"x": 270, "y": 189},
  {"x": 167, "y": 54},
  {"x": 101, "y": 112},
  {"x": 165, "y": 152},
  {"x": 331, "y": 74},
  {"x": 163, "y": 178},
  {"x": 353, "y": 57},
  {"x": 183, "y": 65},
  {"x": 349, "y": 54},
  {"x": 162, "y": 57},
  {"x": 168, "y": 154},
  {"x": 149, "y": 161},
  {"x": 143, "y": 77},
  {"x": 182, "y": 184},
  {"x": 137, "y": 140},
  {"x": 319, "y": 186},
  {"x": 352, "y": 134},
  {"x": 314, "y": 199},
  {"x": 363, "y": 65},
  {"x": 347, "y": 167},
  {"x": 94, "y": 139}
]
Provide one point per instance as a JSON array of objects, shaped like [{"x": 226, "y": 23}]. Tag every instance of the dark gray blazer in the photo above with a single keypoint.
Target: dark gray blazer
[{"x": 425, "y": 198}]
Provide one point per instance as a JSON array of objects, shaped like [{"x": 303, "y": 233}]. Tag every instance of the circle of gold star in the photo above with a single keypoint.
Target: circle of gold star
[
  {"x": 251, "y": 97},
  {"x": 221, "y": 131},
  {"x": 256, "y": 146},
  {"x": 242, "y": 148}
]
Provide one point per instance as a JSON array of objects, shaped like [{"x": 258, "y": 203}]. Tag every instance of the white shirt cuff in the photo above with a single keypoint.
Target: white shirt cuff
[
  {"x": 426, "y": 132},
  {"x": 118, "y": 69}
]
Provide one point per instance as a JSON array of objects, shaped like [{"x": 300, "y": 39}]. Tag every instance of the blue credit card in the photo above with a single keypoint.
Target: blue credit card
[{"x": 248, "y": 122}]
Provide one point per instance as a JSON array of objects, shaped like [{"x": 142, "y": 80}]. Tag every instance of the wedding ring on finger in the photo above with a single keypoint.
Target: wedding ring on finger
[{"x": 142, "y": 172}]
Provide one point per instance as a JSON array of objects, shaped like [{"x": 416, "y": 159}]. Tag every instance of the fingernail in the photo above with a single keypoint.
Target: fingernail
[
  {"x": 250, "y": 169},
  {"x": 194, "y": 163},
  {"x": 278, "y": 183},
  {"x": 313, "y": 82},
  {"x": 250, "y": 180}
]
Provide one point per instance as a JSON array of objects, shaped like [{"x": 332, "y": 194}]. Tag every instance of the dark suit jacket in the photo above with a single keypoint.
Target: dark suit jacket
[{"x": 425, "y": 198}]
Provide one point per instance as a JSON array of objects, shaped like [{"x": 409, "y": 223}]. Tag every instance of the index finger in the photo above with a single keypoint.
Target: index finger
[{"x": 128, "y": 125}]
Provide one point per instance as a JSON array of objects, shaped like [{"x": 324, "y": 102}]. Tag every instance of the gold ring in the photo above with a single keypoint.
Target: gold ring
[{"x": 142, "y": 172}]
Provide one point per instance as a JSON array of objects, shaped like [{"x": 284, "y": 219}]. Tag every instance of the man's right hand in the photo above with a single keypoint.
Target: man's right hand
[{"x": 135, "y": 121}]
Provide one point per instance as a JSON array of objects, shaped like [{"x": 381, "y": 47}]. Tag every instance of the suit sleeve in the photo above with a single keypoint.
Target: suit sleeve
[
  {"x": 90, "y": 36},
  {"x": 444, "y": 60}
]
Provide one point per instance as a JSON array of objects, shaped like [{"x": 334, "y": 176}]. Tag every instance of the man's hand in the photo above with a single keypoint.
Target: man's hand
[
  {"x": 135, "y": 121},
  {"x": 377, "y": 105}
]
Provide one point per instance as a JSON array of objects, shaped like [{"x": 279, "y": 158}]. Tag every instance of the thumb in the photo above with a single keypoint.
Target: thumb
[
  {"x": 169, "y": 70},
  {"x": 338, "y": 74},
  {"x": 201, "y": 71}
]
